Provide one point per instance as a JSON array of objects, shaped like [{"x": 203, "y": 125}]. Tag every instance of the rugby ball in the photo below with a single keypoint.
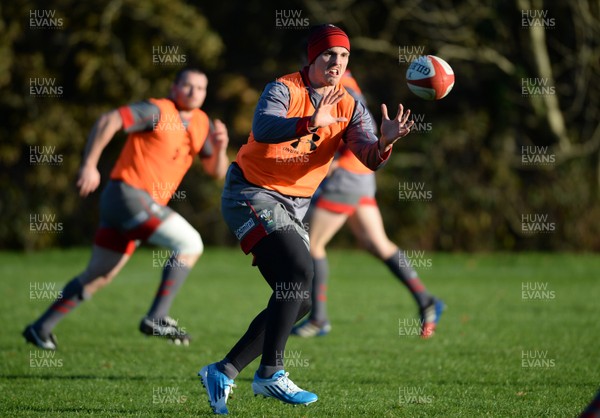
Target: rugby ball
[{"x": 430, "y": 77}]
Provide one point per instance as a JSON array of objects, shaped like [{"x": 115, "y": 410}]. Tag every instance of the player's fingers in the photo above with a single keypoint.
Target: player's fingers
[
  {"x": 83, "y": 191},
  {"x": 335, "y": 99},
  {"x": 219, "y": 126},
  {"x": 384, "y": 112},
  {"x": 88, "y": 185},
  {"x": 406, "y": 116},
  {"x": 339, "y": 95},
  {"x": 341, "y": 119},
  {"x": 81, "y": 182},
  {"x": 400, "y": 113},
  {"x": 332, "y": 95},
  {"x": 327, "y": 95}
]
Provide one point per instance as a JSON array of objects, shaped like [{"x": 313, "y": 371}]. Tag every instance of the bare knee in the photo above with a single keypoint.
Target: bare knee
[
  {"x": 92, "y": 284},
  {"x": 368, "y": 245},
  {"x": 382, "y": 250},
  {"x": 317, "y": 250}
]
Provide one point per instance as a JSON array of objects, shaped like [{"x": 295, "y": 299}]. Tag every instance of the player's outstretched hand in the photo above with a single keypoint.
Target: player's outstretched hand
[
  {"x": 394, "y": 129},
  {"x": 220, "y": 137},
  {"x": 88, "y": 180},
  {"x": 322, "y": 116}
]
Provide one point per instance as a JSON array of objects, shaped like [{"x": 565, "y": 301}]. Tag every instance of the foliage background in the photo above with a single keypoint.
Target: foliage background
[{"x": 470, "y": 159}]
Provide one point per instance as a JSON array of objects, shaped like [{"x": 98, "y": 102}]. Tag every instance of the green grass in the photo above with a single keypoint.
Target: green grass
[{"x": 364, "y": 368}]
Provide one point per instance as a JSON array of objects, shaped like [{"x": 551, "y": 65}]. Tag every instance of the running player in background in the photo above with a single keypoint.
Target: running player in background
[
  {"x": 164, "y": 137},
  {"x": 348, "y": 195},
  {"x": 299, "y": 122}
]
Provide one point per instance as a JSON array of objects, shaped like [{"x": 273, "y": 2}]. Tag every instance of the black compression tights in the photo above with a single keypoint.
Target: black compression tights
[{"x": 285, "y": 263}]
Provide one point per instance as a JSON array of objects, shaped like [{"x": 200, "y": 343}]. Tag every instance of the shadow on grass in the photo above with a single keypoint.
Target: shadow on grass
[
  {"x": 92, "y": 377},
  {"x": 110, "y": 412},
  {"x": 83, "y": 410}
]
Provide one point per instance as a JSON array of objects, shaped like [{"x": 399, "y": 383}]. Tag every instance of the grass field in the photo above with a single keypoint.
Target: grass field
[{"x": 498, "y": 352}]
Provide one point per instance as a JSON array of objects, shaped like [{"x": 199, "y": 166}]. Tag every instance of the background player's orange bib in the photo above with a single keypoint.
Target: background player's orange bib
[{"x": 157, "y": 160}]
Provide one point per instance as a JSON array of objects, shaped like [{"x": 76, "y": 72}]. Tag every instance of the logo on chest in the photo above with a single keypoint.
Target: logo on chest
[{"x": 304, "y": 145}]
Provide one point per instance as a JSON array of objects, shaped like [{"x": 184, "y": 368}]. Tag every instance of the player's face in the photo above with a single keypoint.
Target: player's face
[
  {"x": 329, "y": 67},
  {"x": 190, "y": 91}
]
